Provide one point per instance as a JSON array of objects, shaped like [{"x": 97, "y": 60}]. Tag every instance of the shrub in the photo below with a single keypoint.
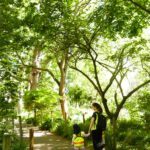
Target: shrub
[
  {"x": 131, "y": 135},
  {"x": 46, "y": 125},
  {"x": 64, "y": 128},
  {"x": 32, "y": 121},
  {"x": 17, "y": 144}
]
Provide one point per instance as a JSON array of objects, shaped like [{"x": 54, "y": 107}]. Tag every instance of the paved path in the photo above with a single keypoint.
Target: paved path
[{"x": 44, "y": 140}]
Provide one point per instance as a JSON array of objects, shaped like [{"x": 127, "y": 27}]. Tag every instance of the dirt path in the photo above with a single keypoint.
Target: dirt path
[{"x": 44, "y": 140}]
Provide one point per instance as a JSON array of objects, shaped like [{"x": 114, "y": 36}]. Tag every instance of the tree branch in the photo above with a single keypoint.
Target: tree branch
[
  {"x": 116, "y": 71},
  {"x": 137, "y": 88},
  {"x": 115, "y": 98},
  {"x": 42, "y": 69},
  {"x": 94, "y": 59},
  {"x": 130, "y": 94},
  {"x": 91, "y": 81},
  {"x": 19, "y": 78}
]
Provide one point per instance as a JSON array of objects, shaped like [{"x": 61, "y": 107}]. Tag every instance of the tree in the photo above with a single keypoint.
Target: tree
[
  {"x": 9, "y": 91},
  {"x": 102, "y": 40},
  {"x": 115, "y": 59},
  {"x": 117, "y": 68},
  {"x": 37, "y": 27}
]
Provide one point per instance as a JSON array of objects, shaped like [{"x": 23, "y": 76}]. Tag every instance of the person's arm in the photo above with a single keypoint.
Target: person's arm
[
  {"x": 91, "y": 124},
  {"x": 84, "y": 134}
]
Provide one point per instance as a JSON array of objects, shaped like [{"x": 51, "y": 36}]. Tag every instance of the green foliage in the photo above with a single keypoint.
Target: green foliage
[
  {"x": 46, "y": 125},
  {"x": 79, "y": 95},
  {"x": 123, "y": 17},
  {"x": 17, "y": 144},
  {"x": 132, "y": 124},
  {"x": 108, "y": 140},
  {"x": 56, "y": 27},
  {"x": 144, "y": 102},
  {"x": 64, "y": 129},
  {"x": 32, "y": 121},
  {"x": 8, "y": 90},
  {"x": 131, "y": 134},
  {"x": 39, "y": 99}
]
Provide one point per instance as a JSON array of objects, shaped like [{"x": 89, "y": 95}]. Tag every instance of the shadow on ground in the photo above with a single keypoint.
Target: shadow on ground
[{"x": 44, "y": 140}]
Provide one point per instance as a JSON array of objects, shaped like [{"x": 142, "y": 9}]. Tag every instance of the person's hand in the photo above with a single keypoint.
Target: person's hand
[{"x": 88, "y": 134}]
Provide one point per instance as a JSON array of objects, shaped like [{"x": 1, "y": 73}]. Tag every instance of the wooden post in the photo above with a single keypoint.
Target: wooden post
[
  {"x": 31, "y": 138},
  {"x": 20, "y": 128},
  {"x": 6, "y": 141},
  {"x": 83, "y": 115},
  {"x": 13, "y": 123}
]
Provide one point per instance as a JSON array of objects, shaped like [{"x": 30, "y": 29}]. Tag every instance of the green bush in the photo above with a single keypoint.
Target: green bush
[
  {"x": 46, "y": 125},
  {"x": 129, "y": 124},
  {"x": 4, "y": 128},
  {"x": 18, "y": 145},
  {"x": 131, "y": 135},
  {"x": 64, "y": 128},
  {"x": 32, "y": 121},
  {"x": 55, "y": 124}
]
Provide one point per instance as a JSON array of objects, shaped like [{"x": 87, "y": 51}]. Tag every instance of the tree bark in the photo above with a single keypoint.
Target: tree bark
[
  {"x": 62, "y": 93},
  {"x": 6, "y": 141},
  {"x": 20, "y": 128},
  {"x": 63, "y": 65},
  {"x": 34, "y": 77},
  {"x": 114, "y": 129},
  {"x": 35, "y": 73}
]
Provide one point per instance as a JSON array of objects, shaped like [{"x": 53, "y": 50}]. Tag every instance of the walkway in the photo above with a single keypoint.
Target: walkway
[{"x": 44, "y": 140}]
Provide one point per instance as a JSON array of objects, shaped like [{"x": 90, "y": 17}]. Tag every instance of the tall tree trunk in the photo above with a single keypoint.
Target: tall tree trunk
[
  {"x": 34, "y": 77},
  {"x": 62, "y": 92},
  {"x": 63, "y": 64}
]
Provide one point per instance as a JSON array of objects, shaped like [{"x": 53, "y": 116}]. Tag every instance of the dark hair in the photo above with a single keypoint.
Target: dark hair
[
  {"x": 98, "y": 107},
  {"x": 76, "y": 129}
]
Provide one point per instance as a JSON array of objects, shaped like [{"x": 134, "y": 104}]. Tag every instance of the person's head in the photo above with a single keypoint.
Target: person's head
[
  {"x": 97, "y": 107},
  {"x": 76, "y": 129}
]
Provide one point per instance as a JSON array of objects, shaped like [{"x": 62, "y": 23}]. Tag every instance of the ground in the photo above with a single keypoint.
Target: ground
[{"x": 44, "y": 140}]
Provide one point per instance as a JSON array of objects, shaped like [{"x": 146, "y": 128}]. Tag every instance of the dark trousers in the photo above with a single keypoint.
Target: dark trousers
[{"x": 96, "y": 138}]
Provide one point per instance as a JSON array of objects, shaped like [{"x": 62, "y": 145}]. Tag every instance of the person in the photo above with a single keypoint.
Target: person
[
  {"x": 96, "y": 134},
  {"x": 78, "y": 138}
]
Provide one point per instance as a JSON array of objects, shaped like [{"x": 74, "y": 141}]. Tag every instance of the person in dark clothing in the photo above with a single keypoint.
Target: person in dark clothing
[{"x": 96, "y": 134}]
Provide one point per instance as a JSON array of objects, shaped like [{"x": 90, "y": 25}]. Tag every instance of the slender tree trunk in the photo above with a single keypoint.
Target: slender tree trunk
[
  {"x": 63, "y": 64},
  {"x": 114, "y": 129},
  {"x": 35, "y": 116},
  {"x": 63, "y": 108},
  {"x": 20, "y": 128},
  {"x": 62, "y": 94}
]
